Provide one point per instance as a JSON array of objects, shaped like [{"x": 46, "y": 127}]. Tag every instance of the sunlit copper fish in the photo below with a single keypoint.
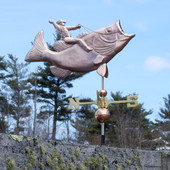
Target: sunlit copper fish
[{"x": 105, "y": 42}]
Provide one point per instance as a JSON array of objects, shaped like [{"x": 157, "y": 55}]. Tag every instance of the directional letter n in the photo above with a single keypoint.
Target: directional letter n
[{"x": 74, "y": 103}]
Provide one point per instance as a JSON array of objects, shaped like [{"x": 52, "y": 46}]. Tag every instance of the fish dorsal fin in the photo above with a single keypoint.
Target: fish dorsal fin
[
  {"x": 103, "y": 70},
  {"x": 59, "y": 72},
  {"x": 98, "y": 59}
]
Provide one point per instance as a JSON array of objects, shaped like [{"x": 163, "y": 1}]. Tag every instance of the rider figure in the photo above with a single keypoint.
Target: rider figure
[{"x": 63, "y": 31}]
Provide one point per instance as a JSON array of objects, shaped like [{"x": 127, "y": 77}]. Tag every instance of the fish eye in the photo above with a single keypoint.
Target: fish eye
[{"x": 109, "y": 30}]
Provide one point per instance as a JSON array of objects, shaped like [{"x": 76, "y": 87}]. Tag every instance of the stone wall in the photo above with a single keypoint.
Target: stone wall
[{"x": 23, "y": 153}]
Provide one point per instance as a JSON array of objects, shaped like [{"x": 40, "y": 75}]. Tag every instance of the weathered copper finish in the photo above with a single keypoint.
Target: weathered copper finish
[
  {"x": 105, "y": 42},
  {"x": 102, "y": 93},
  {"x": 102, "y": 115}
]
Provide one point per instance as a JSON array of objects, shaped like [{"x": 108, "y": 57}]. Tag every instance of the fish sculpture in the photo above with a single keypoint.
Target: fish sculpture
[{"x": 105, "y": 42}]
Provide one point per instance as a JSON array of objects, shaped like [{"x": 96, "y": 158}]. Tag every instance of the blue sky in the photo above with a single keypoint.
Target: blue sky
[{"x": 142, "y": 67}]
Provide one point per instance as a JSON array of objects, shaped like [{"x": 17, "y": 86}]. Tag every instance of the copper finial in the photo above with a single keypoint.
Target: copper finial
[{"x": 102, "y": 115}]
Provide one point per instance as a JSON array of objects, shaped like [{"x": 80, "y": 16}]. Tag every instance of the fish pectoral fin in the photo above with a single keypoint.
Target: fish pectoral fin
[
  {"x": 98, "y": 59},
  {"x": 59, "y": 72},
  {"x": 103, "y": 70}
]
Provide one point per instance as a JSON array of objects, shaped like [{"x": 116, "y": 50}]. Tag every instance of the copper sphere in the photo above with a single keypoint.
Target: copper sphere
[
  {"x": 102, "y": 93},
  {"x": 102, "y": 115}
]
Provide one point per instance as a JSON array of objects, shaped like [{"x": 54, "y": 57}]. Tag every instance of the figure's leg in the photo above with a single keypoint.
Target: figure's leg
[
  {"x": 78, "y": 41},
  {"x": 84, "y": 45}
]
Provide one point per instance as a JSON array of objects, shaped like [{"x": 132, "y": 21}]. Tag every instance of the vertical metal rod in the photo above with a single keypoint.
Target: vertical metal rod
[
  {"x": 102, "y": 134},
  {"x": 102, "y": 82}
]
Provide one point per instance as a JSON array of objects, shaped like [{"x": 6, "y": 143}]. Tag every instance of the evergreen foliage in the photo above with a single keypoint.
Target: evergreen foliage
[
  {"x": 162, "y": 126},
  {"x": 5, "y": 108},
  {"x": 52, "y": 92},
  {"x": 16, "y": 85},
  {"x": 165, "y": 112},
  {"x": 128, "y": 127},
  {"x": 4, "y": 105},
  {"x": 2, "y": 67}
]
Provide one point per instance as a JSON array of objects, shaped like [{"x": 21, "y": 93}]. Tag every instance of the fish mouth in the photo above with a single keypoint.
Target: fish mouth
[
  {"x": 121, "y": 30},
  {"x": 112, "y": 40}
]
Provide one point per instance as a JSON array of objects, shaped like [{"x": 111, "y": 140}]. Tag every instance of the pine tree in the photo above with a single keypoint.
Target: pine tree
[
  {"x": 52, "y": 91},
  {"x": 3, "y": 99},
  {"x": 15, "y": 81},
  {"x": 5, "y": 108},
  {"x": 162, "y": 126},
  {"x": 128, "y": 127},
  {"x": 165, "y": 112},
  {"x": 2, "y": 68}
]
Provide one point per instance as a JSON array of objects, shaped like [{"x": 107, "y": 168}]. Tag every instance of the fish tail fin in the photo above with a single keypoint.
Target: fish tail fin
[{"x": 39, "y": 47}]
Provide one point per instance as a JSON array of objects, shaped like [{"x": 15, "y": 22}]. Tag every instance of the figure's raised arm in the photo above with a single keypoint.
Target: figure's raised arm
[
  {"x": 73, "y": 27},
  {"x": 54, "y": 23}
]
